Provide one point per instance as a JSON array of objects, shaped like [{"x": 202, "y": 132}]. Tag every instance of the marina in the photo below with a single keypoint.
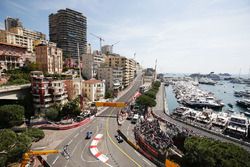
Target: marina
[{"x": 203, "y": 105}]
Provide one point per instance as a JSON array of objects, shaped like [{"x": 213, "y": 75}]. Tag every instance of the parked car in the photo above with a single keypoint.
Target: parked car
[
  {"x": 130, "y": 115},
  {"x": 79, "y": 118},
  {"x": 88, "y": 135}
]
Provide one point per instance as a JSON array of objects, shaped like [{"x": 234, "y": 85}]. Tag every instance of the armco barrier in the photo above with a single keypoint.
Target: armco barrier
[{"x": 64, "y": 127}]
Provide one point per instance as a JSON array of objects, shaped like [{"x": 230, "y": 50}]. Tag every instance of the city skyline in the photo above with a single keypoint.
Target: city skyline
[{"x": 184, "y": 36}]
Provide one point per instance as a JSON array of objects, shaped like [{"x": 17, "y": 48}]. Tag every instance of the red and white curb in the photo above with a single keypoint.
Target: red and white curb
[{"x": 94, "y": 150}]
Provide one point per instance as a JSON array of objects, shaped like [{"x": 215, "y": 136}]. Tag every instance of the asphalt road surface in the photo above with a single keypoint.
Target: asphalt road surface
[{"x": 119, "y": 154}]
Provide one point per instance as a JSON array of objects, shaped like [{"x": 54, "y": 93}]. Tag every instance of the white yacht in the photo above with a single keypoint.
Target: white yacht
[
  {"x": 205, "y": 116},
  {"x": 220, "y": 120},
  {"x": 238, "y": 125}
]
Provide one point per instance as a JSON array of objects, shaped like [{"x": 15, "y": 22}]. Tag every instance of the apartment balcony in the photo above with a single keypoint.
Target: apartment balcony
[
  {"x": 36, "y": 100},
  {"x": 37, "y": 105},
  {"x": 99, "y": 95},
  {"x": 48, "y": 105},
  {"x": 48, "y": 99},
  {"x": 60, "y": 98},
  {"x": 99, "y": 90},
  {"x": 58, "y": 92}
]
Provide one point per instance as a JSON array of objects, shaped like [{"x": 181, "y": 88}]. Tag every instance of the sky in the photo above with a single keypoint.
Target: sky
[{"x": 185, "y": 36}]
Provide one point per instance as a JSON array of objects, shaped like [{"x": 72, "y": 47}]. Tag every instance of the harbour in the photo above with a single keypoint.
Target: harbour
[
  {"x": 223, "y": 90},
  {"x": 212, "y": 107}
]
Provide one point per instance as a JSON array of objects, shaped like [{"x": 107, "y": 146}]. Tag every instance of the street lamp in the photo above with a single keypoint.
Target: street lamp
[{"x": 79, "y": 66}]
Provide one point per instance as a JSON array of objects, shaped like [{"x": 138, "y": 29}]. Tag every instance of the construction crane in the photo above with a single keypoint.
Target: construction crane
[
  {"x": 113, "y": 45},
  {"x": 100, "y": 38}
]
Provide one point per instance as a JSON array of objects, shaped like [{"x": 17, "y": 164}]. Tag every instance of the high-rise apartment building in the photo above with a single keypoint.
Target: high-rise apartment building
[
  {"x": 12, "y": 22},
  {"x": 67, "y": 28},
  {"x": 16, "y": 39},
  {"x": 91, "y": 62},
  {"x": 128, "y": 66},
  {"x": 16, "y": 34},
  {"x": 113, "y": 77},
  {"x": 49, "y": 58},
  {"x": 107, "y": 49}
]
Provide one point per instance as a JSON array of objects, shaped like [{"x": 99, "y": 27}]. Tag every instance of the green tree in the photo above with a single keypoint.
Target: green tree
[
  {"x": 109, "y": 94},
  {"x": 11, "y": 115},
  {"x": 157, "y": 84},
  {"x": 35, "y": 134},
  {"x": 31, "y": 67},
  {"x": 71, "y": 109},
  {"x": 205, "y": 152},
  {"x": 21, "y": 146},
  {"x": 52, "y": 113},
  {"x": 28, "y": 105},
  {"x": 12, "y": 146},
  {"x": 7, "y": 141},
  {"x": 151, "y": 93},
  {"x": 145, "y": 102}
]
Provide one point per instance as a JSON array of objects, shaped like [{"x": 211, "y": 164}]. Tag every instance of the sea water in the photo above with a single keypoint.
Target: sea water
[{"x": 223, "y": 90}]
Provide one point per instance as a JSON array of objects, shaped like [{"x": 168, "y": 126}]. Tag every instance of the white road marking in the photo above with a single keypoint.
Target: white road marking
[
  {"x": 55, "y": 160},
  {"x": 70, "y": 141},
  {"x": 137, "y": 153},
  {"x": 76, "y": 135},
  {"x": 128, "y": 129},
  {"x": 146, "y": 161},
  {"x": 39, "y": 148},
  {"x": 108, "y": 165}
]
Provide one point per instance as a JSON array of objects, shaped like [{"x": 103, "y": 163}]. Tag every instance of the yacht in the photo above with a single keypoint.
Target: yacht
[
  {"x": 247, "y": 113},
  {"x": 206, "y": 81},
  {"x": 179, "y": 111},
  {"x": 190, "y": 114},
  {"x": 237, "y": 126},
  {"x": 220, "y": 120},
  {"x": 243, "y": 102},
  {"x": 244, "y": 93},
  {"x": 204, "y": 102},
  {"x": 205, "y": 116}
]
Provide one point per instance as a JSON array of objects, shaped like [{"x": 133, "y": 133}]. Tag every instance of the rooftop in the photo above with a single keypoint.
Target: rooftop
[{"x": 92, "y": 81}]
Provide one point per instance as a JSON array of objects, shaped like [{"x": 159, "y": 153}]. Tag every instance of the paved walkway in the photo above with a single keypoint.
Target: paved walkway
[{"x": 160, "y": 100}]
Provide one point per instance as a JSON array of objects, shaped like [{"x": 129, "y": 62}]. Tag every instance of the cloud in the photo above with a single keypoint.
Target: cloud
[
  {"x": 191, "y": 36},
  {"x": 18, "y": 6},
  {"x": 198, "y": 43}
]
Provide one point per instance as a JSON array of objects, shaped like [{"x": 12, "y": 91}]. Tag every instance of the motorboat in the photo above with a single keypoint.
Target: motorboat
[
  {"x": 238, "y": 125},
  {"x": 243, "y": 102},
  {"x": 247, "y": 113},
  {"x": 230, "y": 105}
]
